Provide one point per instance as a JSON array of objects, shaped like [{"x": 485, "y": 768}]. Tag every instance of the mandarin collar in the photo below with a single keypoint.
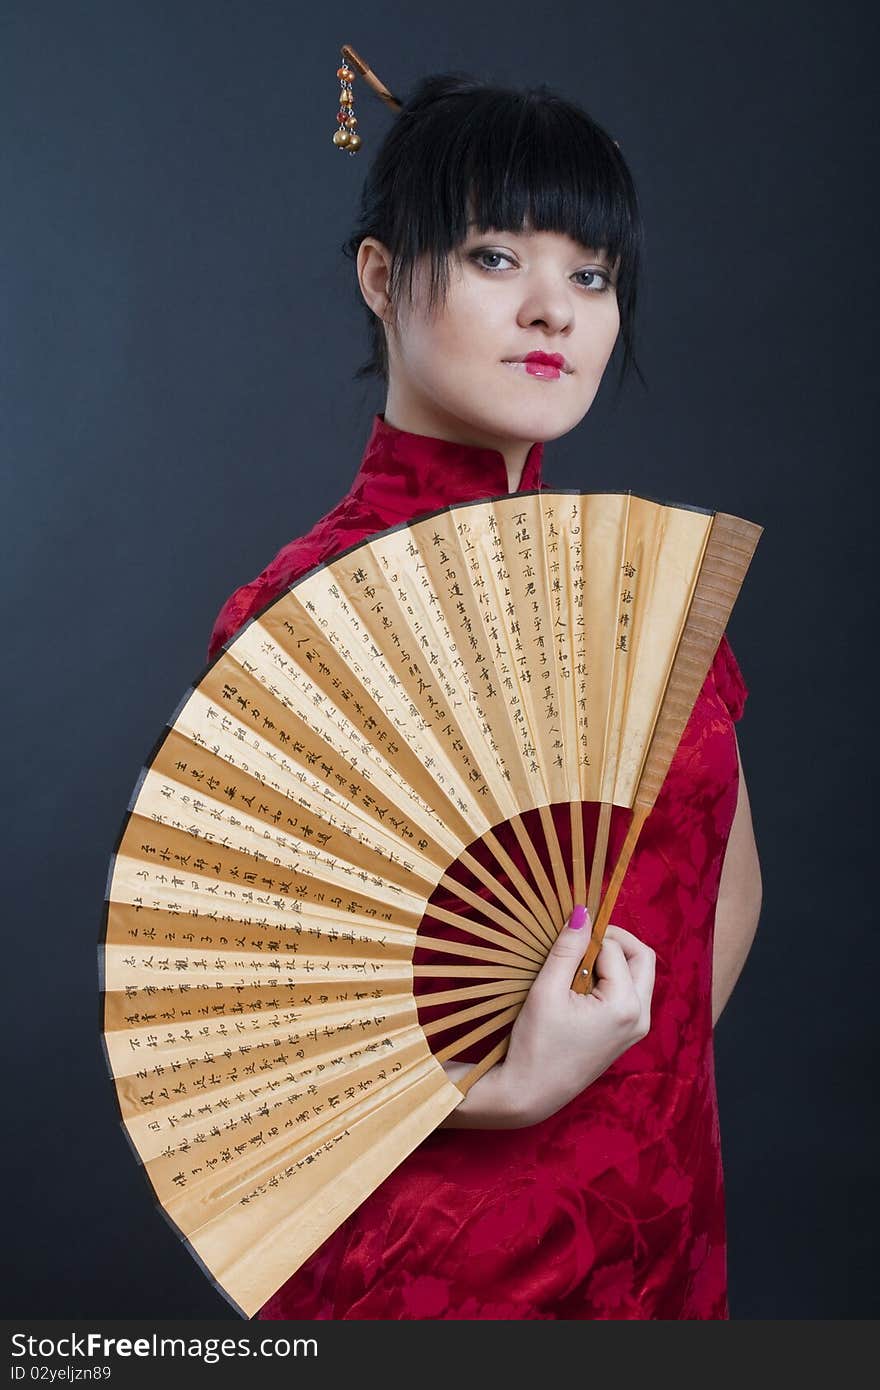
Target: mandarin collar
[{"x": 402, "y": 473}]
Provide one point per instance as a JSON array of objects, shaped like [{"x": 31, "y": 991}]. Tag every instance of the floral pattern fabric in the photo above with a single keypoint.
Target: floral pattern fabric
[{"x": 613, "y": 1207}]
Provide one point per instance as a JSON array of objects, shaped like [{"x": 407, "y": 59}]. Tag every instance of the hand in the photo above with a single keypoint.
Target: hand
[{"x": 561, "y": 1041}]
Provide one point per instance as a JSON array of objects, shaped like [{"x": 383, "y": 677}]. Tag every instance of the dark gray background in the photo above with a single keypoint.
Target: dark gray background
[{"x": 179, "y": 336}]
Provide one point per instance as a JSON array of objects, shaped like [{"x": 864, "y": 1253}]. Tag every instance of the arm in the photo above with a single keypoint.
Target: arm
[{"x": 739, "y": 901}]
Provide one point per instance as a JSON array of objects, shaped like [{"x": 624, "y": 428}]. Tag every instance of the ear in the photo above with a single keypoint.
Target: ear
[{"x": 373, "y": 270}]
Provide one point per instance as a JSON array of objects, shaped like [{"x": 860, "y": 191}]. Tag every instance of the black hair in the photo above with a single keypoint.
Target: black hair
[{"x": 463, "y": 150}]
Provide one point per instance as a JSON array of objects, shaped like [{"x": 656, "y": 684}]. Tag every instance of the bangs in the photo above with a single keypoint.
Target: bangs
[
  {"x": 517, "y": 163},
  {"x": 513, "y": 161}
]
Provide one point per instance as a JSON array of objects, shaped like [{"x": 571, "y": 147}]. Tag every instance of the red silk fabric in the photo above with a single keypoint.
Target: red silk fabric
[{"x": 613, "y": 1207}]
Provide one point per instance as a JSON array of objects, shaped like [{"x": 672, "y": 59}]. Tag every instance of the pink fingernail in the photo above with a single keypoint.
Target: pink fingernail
[{"x": 578, "y": 917}]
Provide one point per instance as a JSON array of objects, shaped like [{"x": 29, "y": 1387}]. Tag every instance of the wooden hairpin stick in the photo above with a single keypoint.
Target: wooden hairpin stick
[{"x": 369, "y": 76}]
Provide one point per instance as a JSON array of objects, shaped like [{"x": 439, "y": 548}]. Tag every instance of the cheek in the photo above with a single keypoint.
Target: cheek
[
  {"x": 600, "y": 335},
  {"x": 612, "y": 326},
  {"x": 479, "y": 313},
  {"x": 433, "y": 354},
  {"x": 471, "y": 330},
  {"x": 459, "y": 340}
]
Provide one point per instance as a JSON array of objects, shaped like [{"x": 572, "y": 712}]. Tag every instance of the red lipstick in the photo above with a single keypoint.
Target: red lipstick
[{"x": 549, "y": 365}]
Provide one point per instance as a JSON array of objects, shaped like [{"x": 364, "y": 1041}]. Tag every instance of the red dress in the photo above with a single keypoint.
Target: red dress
[{"x": 614, "y": 1206}]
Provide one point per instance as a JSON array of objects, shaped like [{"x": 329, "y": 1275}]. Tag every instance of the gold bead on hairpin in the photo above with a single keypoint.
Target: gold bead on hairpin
[{"x": 346, "y": 137}]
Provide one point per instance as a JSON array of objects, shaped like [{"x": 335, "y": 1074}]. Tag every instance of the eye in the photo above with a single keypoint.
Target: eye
[
  {"x": 478, "y": 255},
  {"x": 477, "y": 258},
  {"x": 605, "y": 278}
]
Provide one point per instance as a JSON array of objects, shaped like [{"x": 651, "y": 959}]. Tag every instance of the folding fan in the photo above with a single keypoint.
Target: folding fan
[{"x": 351, "y": 755}]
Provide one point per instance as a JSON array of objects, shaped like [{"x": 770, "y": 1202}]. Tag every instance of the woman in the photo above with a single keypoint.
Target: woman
[{"x": 581, "y": 1177}]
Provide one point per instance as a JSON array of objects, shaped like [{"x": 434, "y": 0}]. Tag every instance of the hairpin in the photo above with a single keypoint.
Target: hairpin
[{"x": 346, "y": 136}]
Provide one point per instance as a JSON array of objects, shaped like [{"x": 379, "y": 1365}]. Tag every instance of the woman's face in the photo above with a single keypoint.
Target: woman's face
[{"x": 509, "y": 294}]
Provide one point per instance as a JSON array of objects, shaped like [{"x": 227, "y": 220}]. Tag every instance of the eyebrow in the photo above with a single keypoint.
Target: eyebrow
[{"x": 474, "y": 230}]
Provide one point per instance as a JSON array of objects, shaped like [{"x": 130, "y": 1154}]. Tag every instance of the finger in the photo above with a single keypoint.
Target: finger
[
  {"x": 639, "y": 956},
  {"x": 611, "y": 965},
  {"x": 562, "y": 958},
  {"x": 632, "y": 946},
  {"x": 641, "y": 966},
  {"x": 638, "y": 961}
]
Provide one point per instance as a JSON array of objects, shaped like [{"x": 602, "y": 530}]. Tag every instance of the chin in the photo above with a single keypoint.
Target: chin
[
  {"x": 547, "y": 420},
  {"x": 513, "y": 415}
]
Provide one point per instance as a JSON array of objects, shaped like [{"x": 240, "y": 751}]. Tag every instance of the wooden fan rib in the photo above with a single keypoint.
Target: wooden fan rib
[
  {"x": 497, "y": 1053},
  {"x": 578, "y": 852},
  {"x": 540, "y": 915},
  {"x": 428, "y": 998},
  {"x": 486, "y": 1006},
  {"x": 476, "y": 972},
  {"x": 550, "y": 901},
  {"x": 518, "y": 910},
  {"x": 458, "y": 948},
  {"x": 524, "y": 947},
  {"x": 562, "y": 899},
  {"x": 600, "y": 853},
  {"x": 451, "y": 1051}
]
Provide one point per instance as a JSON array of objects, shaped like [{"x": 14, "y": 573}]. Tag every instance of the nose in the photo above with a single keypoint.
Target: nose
[{"x": 545, "y": 303}]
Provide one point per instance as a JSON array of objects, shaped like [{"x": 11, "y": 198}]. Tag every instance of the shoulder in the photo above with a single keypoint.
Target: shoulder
[{"x": 333, "y": 533}]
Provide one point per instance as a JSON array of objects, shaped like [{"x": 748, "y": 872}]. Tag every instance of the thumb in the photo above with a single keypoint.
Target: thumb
[{"x": 567, "y": 949}]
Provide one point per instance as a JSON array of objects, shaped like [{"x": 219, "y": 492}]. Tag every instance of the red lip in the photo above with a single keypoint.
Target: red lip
[{"x": 549, "y": 359}]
